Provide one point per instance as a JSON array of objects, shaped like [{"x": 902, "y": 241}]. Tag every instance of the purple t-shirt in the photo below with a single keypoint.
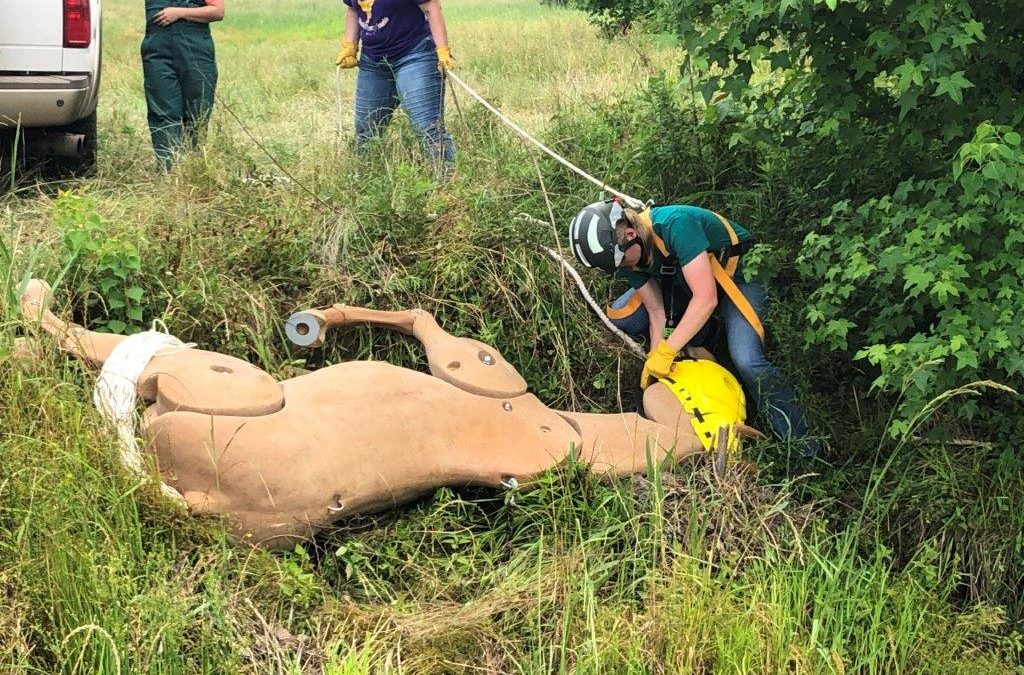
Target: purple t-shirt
[{"x": 388, "y": 29}]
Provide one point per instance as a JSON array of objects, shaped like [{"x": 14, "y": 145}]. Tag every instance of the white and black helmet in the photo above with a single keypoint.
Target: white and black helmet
[{"x": 592, "y": 235}]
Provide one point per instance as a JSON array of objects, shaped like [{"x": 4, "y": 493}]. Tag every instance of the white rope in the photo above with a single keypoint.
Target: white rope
[
  {"x": 115, "y": 394},
  {"x": 630, "y": 342},
  {"x": 631, "y": 201}
]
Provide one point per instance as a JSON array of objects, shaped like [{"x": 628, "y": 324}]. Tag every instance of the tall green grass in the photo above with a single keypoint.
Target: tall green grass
[{"x": 664, "y": 573}]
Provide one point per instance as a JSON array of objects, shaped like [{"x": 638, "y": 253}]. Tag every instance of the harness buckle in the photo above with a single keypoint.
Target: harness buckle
[
  {"x": 735, "y": 250},
  {"x": 667, "y": 271}
]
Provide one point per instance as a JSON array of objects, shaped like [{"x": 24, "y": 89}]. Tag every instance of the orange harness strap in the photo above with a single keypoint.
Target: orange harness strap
[
  {"x": 723, "y": 275},
  {"x": 626, "y": 310},
  {"x": 732, "y": 263},
  {"x": 737, "y": 297}
]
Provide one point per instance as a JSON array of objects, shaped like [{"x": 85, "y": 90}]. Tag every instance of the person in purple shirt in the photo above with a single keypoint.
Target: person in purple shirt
[{"x": 404, "y": 57}]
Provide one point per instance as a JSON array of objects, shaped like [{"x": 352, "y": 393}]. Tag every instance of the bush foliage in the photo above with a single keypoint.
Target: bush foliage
[
  {"x": 102, "y": 262},
  {"x": 925, "y": 282},
  {"x": 925, "y": 70},
  {"x": 875, "y": 148}
]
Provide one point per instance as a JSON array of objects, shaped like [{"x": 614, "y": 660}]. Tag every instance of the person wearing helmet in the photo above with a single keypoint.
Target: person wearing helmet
[{"x": 690, "y": 257}]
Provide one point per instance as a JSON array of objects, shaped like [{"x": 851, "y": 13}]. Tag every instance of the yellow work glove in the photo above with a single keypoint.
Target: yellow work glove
[
  {"x": 658, "y": 363},
  {"x": 347, "y": 55},
  {"x": 445, "y": 61}
]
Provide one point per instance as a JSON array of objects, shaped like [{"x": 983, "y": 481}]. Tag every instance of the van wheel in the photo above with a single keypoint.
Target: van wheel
[{"x": 85, "y": 163}]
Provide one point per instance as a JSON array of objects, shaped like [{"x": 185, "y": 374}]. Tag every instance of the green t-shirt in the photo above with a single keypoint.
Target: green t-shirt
[{"x": 688, "y": 231}]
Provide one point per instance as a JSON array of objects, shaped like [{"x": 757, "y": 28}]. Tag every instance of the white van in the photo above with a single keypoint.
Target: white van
[{"x": 50, "y": 78}]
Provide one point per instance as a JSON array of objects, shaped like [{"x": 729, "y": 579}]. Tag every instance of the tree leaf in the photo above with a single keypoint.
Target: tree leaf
[
  {"x": 953, "y": 86},
  {"x": 908, "y": 101},
  {"x": 917, "y": 279},
  {"x": 975, "y": 28},
  {"x": 863, "y": 65},
  {"x": 116, "y": 326},
  {"x": 785, "y": 5},
  {"x": 909, "y": 74},
  {"x": 922, "y": 13},
  {"x": 966, "y": 358}
]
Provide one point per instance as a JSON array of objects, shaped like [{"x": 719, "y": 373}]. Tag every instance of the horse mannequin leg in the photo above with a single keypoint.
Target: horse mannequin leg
[
  {"x": 183, "y": 379},
  {"x": 467, "y": 364},
  {"x": 72, "y": 338}
]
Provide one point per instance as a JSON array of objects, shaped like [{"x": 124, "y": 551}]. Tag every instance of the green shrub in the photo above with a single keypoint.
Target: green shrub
[
  {"x": 837, "y": 103},
  {"x": 927, "y": 70},
  {"x": 103, "y": 264},
  {"x": 925, "y": 283},
  {"x": 615, "y": 16}
]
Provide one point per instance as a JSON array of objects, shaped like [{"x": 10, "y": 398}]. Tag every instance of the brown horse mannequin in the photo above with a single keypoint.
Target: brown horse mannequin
[{"x": 284, "y": 459}]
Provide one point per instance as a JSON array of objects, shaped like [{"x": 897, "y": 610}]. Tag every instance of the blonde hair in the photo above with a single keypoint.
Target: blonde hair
[{"x": 632, "y": 219}]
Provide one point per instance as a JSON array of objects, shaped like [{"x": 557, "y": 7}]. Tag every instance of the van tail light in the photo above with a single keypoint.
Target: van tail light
[{"x": 77, "y": 24}]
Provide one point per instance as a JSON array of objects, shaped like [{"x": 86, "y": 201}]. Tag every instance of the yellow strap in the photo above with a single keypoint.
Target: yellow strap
[
  {"x": 736, "y": 295},
  {"x": 732, "y": 263},
  {"x": 724, "y": 277},
  {"x": 645, "y": 218}
]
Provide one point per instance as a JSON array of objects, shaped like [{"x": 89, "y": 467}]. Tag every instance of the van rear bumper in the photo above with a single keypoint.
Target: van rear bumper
[{"x": 44, "y": 100}]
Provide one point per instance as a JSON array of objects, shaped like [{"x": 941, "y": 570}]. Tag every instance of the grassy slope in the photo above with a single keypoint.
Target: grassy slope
[{"x": 660, "y": 574}]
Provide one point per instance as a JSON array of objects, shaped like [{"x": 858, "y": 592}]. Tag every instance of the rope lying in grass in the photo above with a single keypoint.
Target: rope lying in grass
[
  {"x": 630, "y": 342},
  {"x": 543, "y": 148},
  {"x": 115, "y": 392}
]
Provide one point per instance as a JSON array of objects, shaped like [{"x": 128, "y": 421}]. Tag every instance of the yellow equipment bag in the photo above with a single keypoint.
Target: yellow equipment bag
[{"x": 712, "y": 396}]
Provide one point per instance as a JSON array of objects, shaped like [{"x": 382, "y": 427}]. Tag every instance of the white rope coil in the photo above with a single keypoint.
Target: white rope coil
[{"x": 115, "y": 394}]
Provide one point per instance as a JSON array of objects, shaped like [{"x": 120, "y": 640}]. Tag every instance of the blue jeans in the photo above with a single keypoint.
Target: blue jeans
[
  {"x": 413, "y": 81},
  {"x": 772, "y": 394}
]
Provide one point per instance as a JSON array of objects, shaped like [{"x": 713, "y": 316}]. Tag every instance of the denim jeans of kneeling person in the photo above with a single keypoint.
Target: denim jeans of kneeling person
[
  {"x": 414, "y": 82},
  {"x": 772, "y": 394}
]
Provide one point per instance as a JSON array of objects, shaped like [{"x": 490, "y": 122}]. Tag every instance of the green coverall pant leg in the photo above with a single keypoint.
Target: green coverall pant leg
[{"x": 180, "y": 75}]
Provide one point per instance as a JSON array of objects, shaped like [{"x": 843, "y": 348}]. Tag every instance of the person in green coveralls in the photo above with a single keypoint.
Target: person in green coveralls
[
  {"x": 179, "y": 72},
  {"x": 688, "y": 261}
]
